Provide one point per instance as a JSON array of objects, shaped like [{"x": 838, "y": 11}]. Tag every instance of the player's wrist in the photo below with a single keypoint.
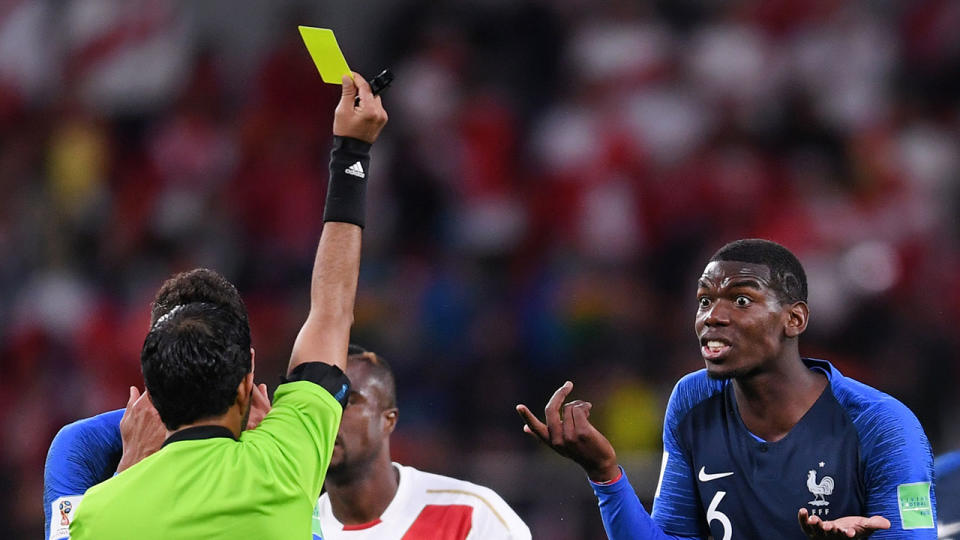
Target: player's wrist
[
  {"x": 347, "y": 188},
  {"x": 606, "y": 474}
]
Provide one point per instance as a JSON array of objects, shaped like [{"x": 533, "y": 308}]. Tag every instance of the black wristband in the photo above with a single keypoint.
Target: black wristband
[
  {"x": 347, "y": 189},
  {"x": 330, "y": 377}
]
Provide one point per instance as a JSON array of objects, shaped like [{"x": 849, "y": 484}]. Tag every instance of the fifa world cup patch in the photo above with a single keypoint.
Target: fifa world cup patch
[
  {"x": 916, "y": 510},
  {"x": 62, "y": 511}
]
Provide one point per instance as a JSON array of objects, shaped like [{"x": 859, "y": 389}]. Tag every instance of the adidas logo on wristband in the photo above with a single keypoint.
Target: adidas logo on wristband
[{"x": 356, "y": 170}]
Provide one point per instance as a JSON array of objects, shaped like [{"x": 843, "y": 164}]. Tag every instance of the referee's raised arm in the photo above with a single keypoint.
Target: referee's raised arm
[{"x": 326, "y": 333}]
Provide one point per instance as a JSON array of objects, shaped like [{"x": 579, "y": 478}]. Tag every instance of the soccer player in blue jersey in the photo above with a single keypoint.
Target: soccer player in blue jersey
[
  {"x": 947, "y": 469},
  {"x": 760, "y": 439}
]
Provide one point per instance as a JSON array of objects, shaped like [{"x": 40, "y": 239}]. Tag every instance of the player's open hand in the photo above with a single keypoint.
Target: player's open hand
[
  {"x": 141, "y": 429},
  {"x": 259, "y": 406},
  {"x": 570, "y": 433},
  {"x": 845, "y": 527},
  {"x": 359, "y": 114}
]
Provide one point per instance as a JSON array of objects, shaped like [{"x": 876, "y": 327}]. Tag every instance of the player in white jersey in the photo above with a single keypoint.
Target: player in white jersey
[{"x": 369, "y": 497}]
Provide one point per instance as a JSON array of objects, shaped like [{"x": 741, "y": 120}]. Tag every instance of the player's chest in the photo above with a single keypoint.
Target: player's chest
[{"x": 754, "y": 487}]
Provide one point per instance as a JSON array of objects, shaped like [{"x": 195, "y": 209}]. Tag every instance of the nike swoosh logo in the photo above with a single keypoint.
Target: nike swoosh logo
[
  {"x": 704, "y": 477},
  {"x": 946, "y": 529}
]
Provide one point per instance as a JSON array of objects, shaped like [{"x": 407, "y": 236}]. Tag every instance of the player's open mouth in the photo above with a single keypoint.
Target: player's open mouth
[{"x": 714, "y": 349}]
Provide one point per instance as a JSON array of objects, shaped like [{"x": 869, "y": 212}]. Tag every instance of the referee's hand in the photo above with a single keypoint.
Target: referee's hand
[
  {"x": 569, "y": 432},
  {"x": 365, "y": 119}
]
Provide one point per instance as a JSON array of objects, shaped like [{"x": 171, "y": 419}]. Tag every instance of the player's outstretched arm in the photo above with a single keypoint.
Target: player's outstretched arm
[
  {"x": 569, "y": 432},
  {"x": 326, "y": 333},
  {"x": 845, "y": 527}
]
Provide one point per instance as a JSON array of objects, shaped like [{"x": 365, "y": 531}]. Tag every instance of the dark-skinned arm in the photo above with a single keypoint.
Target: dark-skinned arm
[{"x": 568, "y": 432}]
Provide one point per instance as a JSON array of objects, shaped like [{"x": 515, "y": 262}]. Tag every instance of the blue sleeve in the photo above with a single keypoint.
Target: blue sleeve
[
  {"x": 947, "y": 464},
  {"x": 947, "y": 470},
  {"x": 898, "y": 470},
  {"x": 81, "y": 455},
  {"x": 623, "y": 515},
  {"x": 676, "y": 507}
]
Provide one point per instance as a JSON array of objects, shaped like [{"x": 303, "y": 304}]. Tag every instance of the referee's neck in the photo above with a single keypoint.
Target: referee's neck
[{"x": 228, "y": 421}]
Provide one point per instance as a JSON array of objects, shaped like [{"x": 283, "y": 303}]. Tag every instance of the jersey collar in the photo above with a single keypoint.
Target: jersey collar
[{"x": 199, "y": 432}]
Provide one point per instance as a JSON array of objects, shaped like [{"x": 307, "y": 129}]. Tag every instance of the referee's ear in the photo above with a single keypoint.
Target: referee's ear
[{"x": 245, "y": 391}]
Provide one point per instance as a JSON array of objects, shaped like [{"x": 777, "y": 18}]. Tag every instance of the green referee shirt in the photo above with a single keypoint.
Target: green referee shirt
[{"x": 205, "y": 484}]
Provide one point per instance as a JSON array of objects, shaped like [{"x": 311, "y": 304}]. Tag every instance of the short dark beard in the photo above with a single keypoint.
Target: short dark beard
[
  {"x": 735, "y": 374},
  {"x": 347, "y": 472}
]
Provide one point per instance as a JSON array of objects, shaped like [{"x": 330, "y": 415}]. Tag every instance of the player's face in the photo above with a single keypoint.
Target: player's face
[
  {"x": 362, "y": 429},
  {"x": 740, "y": 320}
]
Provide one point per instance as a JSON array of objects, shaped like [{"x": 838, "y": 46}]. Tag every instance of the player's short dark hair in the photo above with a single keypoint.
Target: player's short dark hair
[
  {"x": 788, "y": 278},
  {"x": 379, "y": 369},
  {"x": 193, "y": 359},
  {"x": 197, "y": 285}
]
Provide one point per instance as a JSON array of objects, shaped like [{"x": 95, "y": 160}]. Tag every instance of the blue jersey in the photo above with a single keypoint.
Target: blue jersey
[
  {"x": 82, "y": 455},
  {"x": 856, "y": 452},
  {"x": 948, "y": 495}
]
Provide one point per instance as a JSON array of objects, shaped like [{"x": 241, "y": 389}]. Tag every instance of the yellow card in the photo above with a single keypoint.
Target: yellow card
[{"x": 326, "y": 54}]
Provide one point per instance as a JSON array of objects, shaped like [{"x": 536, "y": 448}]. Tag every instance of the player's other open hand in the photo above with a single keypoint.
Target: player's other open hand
[
  {"x": 359, "y": 114},
  {"x": 569, "y": 432},
  {"x": 845, "y": 527}
]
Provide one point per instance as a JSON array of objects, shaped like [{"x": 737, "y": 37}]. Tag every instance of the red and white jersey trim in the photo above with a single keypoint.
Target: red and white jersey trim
[{"x": 432, "y": 507}]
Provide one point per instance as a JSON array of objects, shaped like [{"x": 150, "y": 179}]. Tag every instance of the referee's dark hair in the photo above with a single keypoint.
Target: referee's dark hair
[
  {"x": 197, "y": 285},
  {"x": 787, "y": 275},
  {"x": 193, "y": 359}
]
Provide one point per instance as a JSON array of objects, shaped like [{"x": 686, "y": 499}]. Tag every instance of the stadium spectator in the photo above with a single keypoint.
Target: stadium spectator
[
  {"x": 211, "y": 479},
  {"x": 369, "y": 496},
  {"x": 760, "y": 432}
]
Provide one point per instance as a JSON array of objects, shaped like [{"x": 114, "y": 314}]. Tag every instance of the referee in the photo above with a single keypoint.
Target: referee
[{"x": 210, "y": 480}]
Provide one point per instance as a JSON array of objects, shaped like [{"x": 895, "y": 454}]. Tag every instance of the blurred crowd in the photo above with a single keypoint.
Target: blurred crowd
[{"x": 554, "y": 176}]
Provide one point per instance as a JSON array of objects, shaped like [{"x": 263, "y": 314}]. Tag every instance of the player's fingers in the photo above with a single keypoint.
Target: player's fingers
[
  {"x": 552, "y": 410},
  {"x": 528, "y": 431},
  {"x": 579, "y": 413},
  {"x": 877, "y": 523},
  {"x": 143, "y": 401},
  {"x": 533, "y": 425},
  {"x": 148, "y": 403},
  {"x": 134, "y": 394},
  {"x": 804, "y": 525},
  {"x": 552, "y": 413},
  {"x": 262, "y": 398},
  {"x": 569, "y": 426}
]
